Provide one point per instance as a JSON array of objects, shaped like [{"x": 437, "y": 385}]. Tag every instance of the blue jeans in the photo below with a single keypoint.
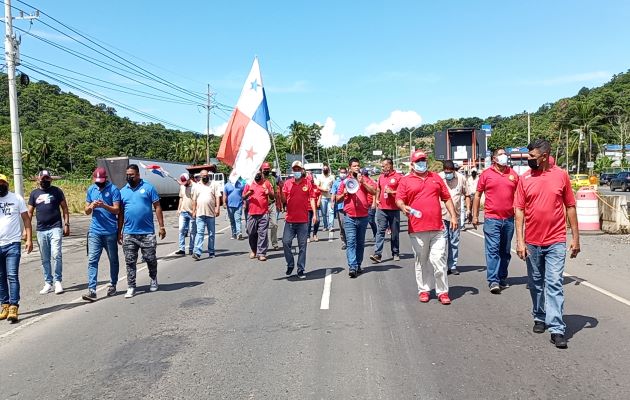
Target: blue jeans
[
  {"x": 96, "y": 244},
  {"x": 9, "y": 273},
  {"x": 203, "y": 222},
  {"x": 313, "y": 229},
  {"x": 545, "y": 265},
  {"x": 187, "y": 224},
  {"x": 50, "y": 252},
  {"x": 235, "y": 215},
  {"x": 452, "y": 244},
  {"x": 385, "y": 218},
  {"x": 498, "y": 234},
  {"x": 355, "y": 228},
  {"x": 326, "y": 212},
  {"x": 372, "y": 220},
  {"x": 292, "y": 230}
]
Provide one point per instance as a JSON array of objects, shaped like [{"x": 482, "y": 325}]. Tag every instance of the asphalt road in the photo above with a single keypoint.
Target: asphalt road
[
  {"x": 606, "y": 191},
  {"x": 233, "y": 328}
]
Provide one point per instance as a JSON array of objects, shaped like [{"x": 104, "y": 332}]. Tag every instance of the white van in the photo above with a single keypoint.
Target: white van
[{"x": 315, "y": 168}]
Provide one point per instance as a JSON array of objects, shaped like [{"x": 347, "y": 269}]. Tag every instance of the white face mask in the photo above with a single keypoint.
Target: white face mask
[
  {"x": 502, "y": 159},
  {"x": 420, "y": 166}
]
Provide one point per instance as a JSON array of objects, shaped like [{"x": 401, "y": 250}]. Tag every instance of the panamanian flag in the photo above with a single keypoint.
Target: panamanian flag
[{"x": 246, "y": 140}]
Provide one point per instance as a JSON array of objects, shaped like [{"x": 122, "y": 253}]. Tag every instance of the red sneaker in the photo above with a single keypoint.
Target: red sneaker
[
  {"x": 444, "y": 299},
  {"x": 423, "y": 297}
]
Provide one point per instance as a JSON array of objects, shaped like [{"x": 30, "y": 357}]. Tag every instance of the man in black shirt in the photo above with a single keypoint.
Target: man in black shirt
[{"x": 45, "y": 203}]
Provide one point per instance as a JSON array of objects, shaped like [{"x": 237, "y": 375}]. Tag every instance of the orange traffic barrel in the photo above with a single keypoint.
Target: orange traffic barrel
[{"x": 587, "y": 207}]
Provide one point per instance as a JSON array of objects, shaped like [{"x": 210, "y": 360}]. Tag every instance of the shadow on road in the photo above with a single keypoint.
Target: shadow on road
[
  {"x": 81, "y": 286},
  {"x": 471, "y": 268},
  {"x": 455, "y": 292},
  {"x": 169, "y": 287},
  {"x": 47, "y": 310},
  {"x": 576, "y": 323},
  {"x": 379, "y": 268},
  {"x": 310, "y": 275},
  {"x": 522, "y": 280}
]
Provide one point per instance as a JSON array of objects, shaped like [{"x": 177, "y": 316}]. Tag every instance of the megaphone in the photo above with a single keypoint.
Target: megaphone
[{"x": 352, "y": 185}]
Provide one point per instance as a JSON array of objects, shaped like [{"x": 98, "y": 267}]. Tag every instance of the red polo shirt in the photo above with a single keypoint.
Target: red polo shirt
[
  {"x": 258, "y": 201},
  {"x": 424, "y": 194},
  {"x": 543, "y": 195},
  {"x": 388, "y": 181},
  {"x": 298, "y": 195},
  {"x": 499, "y": 188},
  {"x": 357, "y": 204}
]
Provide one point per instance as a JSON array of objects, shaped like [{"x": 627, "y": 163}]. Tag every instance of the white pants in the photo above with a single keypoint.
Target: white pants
[{"x": 430, "y": 251}]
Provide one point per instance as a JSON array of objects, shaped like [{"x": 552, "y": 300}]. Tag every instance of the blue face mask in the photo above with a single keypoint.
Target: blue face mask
[
  {"x": 420, "y": 166},
  {"x": 449, "y": 175},
  {"x": 297, "y": 175}
]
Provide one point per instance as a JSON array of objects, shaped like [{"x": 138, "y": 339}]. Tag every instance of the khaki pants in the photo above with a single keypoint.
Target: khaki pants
[
  {"x": 429, "y": 249},
  {"x": 273, "y": 225}
]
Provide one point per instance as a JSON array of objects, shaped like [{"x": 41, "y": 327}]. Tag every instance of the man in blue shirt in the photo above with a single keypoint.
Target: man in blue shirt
[
  {"x": 103, "y": 203},
  {"x": 135, "y": 227},
  {"x": 343, "y": 173},
  {"x": 233, "y": 192}
]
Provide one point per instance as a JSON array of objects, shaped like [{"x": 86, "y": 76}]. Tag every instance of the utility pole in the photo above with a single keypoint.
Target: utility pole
[
  {"x": 11, "y": 46},
  {"x": 208, "y": 128},
  {"x": 529, "y": 129}
]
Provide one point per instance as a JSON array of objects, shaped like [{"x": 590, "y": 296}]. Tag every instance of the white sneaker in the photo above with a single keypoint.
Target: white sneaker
[
  {"x": 154, "y": 285},
  {"x": 130, "y": 292},
  {"x": 46, "y": 289},
  {"x": 58, "y": 287}
]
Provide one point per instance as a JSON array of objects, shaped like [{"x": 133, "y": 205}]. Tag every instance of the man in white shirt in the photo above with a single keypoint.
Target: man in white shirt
[
  {"x": 456, "y": 184},
  {"x": 12, "y": 208},
  {"x": 324, "y": 183},
  {"x": 206, "y": 207}
]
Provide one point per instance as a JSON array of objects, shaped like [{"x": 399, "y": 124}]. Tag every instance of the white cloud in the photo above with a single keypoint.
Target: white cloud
[
  {"x": 571, "y": 78},
  {"x": 329, "y": 137},
  {"x": 396, "y": 121},
  {"x": 218, "y": 130},
  {"x": 295, "y": 87}
]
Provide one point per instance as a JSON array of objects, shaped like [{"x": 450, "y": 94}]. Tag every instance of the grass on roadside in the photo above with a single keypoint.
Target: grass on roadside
[{"x": 73, "y": 189}]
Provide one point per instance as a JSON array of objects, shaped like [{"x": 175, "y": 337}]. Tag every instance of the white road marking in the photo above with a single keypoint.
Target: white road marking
[
  {"x": 582, "y": 281},
  {"x": 326, "y": 293}
]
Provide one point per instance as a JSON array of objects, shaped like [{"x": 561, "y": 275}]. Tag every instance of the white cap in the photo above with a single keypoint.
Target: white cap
[{"x": 296, "y": 163}]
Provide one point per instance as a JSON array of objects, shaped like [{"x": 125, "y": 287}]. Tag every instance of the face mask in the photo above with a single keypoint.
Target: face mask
[
  {"x": 502, "y": 159},
  {"x": 326, "y": 171},
  {"x": 474, "y": 175},
  {"x": 266, "y": 173},
  {"x": 449, "y": 175},
  {"x": 297, "y": 174},
  {"x": 205, "y": 179},
  {"x": 343, "y": 176},
  {"x": 533, "y": 164},
  {"x": 46, "y": 184},
  {"x": 420, "y": 166},
  {"x": 4, "y": 190},
  {"x": 258, "y": 177},
  {"x": 131, "y": 180},
  {"x": 100, "y": 185}
]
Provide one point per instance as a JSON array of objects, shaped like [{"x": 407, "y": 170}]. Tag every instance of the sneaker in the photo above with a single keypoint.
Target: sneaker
[
  {"x": 4, "y": 312},
  {"x": 315, "y": 239},
  {"x": 359, "y": 271},
  {"x": 58, "y": 287},
  {"x": 239, "y": 236},
  {"x": 46, "y": 289},
  {"x": 289, "y": 271},
  {"x": 89, "y": 296},
  {"x": 375, "y": 258},
  {"x": 344, "y": 246},
  {"x": 503, "y": 285},
  {"x": 559, "y": 340},
  {"x": 539, "y": 327},
  {"x": 352, "y": 273},
  {"x": 232, "y": 237},
  {"x": 154, "y": 285},
  {"x": 495, "y": 288},
  {"x": 252, "y": 255},
  {"x": 111, "y": 290},
  {"x": 12, "y": 316},
  {"x": 444, "y": 299},
  {"x": 262, "y": 258},
  {"x": 396, "y": 257},
  {"x": 130, "y": 292},
  {"x": 180, "y": 253},
  {"x": 424, "y": 297},
  {"x": 196, "y": 257},
  {"x": 454, "y": 271},
  {"x": 301, "y": 274}
]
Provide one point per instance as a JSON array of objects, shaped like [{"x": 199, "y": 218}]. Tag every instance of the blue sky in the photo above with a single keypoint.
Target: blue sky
[{"x": 355, "y": 67}]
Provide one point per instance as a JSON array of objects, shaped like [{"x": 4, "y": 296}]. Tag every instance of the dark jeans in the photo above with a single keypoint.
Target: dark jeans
[
  {"x": 385, "y": 218},
  {"x": 9, "y": 273},
  {"x": 145, "y": 243},
  {"x": 498, "y": 239},
  {"x": 312, "y": 230},
  {"x": 355, "y": 236},
  {"x": 372, "y": 220},
  {"x": 292, "y": 230},
  {"x": 96, "y": 244},
  {"x": 342, "y": 230},
  {"x": 257, "y": 233}
]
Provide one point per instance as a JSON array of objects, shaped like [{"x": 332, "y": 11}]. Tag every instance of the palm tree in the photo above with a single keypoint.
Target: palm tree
[
  {"x": 43, "y": 147},
  {"x": 585, "y": 122},
  {"x": 299, "y": 134}
]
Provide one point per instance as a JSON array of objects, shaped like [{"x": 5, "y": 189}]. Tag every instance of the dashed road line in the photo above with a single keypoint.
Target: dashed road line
[{"x": 325, "y": 304}]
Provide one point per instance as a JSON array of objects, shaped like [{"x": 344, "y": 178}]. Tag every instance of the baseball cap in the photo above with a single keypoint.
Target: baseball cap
[
  {"x": 418, "y": 155},
  {"x": 296, "y": 163},
  {"x": 44, "y": 174},
  {"x": 183, "y": 178},
  {"x": 99, "y": 175},
  {"x": 266, "y": 165},
  {"x": 4, "y": 178}
]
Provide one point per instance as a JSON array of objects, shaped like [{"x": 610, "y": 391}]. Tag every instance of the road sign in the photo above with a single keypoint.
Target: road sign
[
  {"x": 590, "y": 165},
  {"x": 377, "y": 152}
]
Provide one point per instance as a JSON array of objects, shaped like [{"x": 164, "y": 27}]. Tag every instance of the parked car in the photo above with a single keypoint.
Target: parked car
[
  {"x": 621, "y": 181},
  {"x": 605, "y": 177}
]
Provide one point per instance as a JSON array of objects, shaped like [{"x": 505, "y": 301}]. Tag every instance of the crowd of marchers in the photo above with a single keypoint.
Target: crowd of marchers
[{"x": 535, "y": 205}]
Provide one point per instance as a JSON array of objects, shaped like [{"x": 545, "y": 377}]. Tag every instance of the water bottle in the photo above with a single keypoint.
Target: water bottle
[{"x": 415, "y": 213}]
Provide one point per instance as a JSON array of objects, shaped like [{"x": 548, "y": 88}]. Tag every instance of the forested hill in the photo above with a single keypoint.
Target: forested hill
[{"x": 66, "y": 133}]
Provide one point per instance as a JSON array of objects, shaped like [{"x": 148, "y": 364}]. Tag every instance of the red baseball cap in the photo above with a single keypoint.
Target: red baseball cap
[
  {"x": 99, "y": 175},
  {"x": 418, "y": 155},
  {"x": 183, "y": 178},
  {"x": 266, "y": 165}
]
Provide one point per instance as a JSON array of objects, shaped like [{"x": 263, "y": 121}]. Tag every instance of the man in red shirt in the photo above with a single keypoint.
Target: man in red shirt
[
  {"x": 499, "y": 184},
  {"x": 371, "y": 201},
  {"x": 387, "y": 213},
  {"x": 542, "y": 195},
  {"x": 298, "y": 196},
  {"x": 355, "y": 206},
  {"x": 257, "y": 194},
  {"x": 418, "y": 196}
]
